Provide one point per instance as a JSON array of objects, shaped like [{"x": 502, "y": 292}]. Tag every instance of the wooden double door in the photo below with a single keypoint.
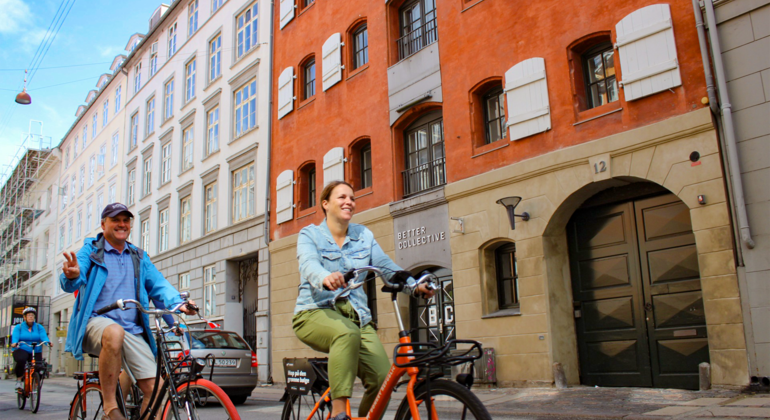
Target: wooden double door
[{"x": 637, "y": 296}]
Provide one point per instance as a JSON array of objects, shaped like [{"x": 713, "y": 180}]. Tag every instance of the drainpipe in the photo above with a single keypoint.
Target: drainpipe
[
  {"x": 266, "y": 233},
  {"x": 727, "y": 123}
]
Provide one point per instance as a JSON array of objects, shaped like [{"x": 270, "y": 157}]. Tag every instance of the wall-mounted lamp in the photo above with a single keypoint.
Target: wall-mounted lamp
[
  {"x": 23, "y": 97},
  {"x": 510, "y": 204}
]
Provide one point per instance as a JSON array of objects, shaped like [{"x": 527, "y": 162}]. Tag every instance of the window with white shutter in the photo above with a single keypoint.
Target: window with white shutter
[
  {"x": 332, "y": 61},
  {"x": 334, "y": 165},
  {"x": 645, "y": 43},
  {"x": 284, "y": 200},
  {"x": 285, "y": 92},
  {"x": 287, "y": 12},
  {"x": 526, "y": 90}
]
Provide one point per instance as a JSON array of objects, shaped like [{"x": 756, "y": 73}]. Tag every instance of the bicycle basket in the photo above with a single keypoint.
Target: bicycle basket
[
  {"x": 453, "y": 352},
  {"x": 303, "y": 374}
]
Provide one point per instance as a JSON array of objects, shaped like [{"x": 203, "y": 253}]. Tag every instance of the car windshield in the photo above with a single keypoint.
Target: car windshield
[{"x": 218, "y": 340}]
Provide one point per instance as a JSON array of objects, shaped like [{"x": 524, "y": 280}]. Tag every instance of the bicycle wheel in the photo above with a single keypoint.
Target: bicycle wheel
[
  {"x": 450, "y": 401},
  {"x": 88, "y": 404},
  {"x": 21, "y": 399},
  {"x": 35, "y": 389},
  {"x": 201, "y": 399},
  {"x": 299, "y": 407}
]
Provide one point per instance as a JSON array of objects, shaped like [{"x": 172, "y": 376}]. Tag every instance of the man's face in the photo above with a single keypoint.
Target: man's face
[{"x": 117, "y": 229}]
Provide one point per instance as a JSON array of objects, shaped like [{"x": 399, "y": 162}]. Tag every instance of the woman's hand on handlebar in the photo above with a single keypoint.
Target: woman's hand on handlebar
[
  {"x": 424, "y": 291},
  {"x": 334, "y": 281},
  {"x": 189, "y": 308}
]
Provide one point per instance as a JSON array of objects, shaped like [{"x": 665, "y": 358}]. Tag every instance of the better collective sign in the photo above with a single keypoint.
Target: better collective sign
[{"x": 411, "y": 238}]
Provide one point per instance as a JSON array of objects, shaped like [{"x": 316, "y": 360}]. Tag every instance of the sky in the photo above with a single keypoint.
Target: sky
[{"x": 93, "y": 33}]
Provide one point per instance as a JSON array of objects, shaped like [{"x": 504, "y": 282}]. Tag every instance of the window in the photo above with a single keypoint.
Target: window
[
  {"x": 494, "y": 115},
  {"x": 134, "y": 131},
  {"x": 91, "y": 170},
  {"x": 79, "y": 226},
  {"x": 308, "y": 79},
  {"x": 311, "y": 187},
  {"x": 111, "y": 194},
  {"x": 101, "y": 157},
  {"x": 216, "y": 4},
  {"x": 117, "y": 99},
  {"x": 425, "y": 162},
  {"x": 93, "y": 125},
  {"x": 130, "y": 187},
  {"x": 209, "y": 291},
  {"x": 46, "y": 240},
  {"x": 63, "y": 194},
  {"x": 187, "y": 153},
  {"x": 418, "y": 28},
  {"x": 62, "y": 228},
  {"x": 507, "y": 277},
  {"x": 163, "y": 239},
  {"x": 212, "y": 131},
  {"x": 366, "y": 166},
  {"x": 67, "y": 158},
  {"x": 215, "y": 57},
  {"x": 89, "y": 216},
  {"x": 99, "y": 205},
  {"x": 165, "y": 163},
  {"x": 105, "y": 113},
  {"x": 245, "y": 108},
  {"x": 168, "y": 100},
  {"x": 243, "y": 192},
  {"x": 307, "y": 188},
  {"x": 82, "y": 179},
  {"x": 153, "y": 59},
  {"x": 137, "y": 77},
  {"x": 189, "y": 81},
  {"x": 246, "y": 24},
  {"x": 360, "y": 46},
  {"x": 85, "y": 136},
  {"x": 114, "y": 155},
  {"x": 147, "y": 177},
  {"x": 69, "y": 232},
  {"x": 73, "y": 186},
  {"x": 145, "y": 232},
  {"x": 75, "y": 149},
  {"x": 211, "y": 207},
  {"x": 172, "y": 40},
  {"x": 184, "y": 282},
  {"x": 192, "y": 18},
  {"x": 150, "y": 128},
  {"x": 599, "y": 68},
  {"x": 185, "y": 220}
]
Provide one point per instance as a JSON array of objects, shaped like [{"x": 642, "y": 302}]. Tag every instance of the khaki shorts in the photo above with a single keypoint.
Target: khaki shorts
[{"x": 138, "y": 359}]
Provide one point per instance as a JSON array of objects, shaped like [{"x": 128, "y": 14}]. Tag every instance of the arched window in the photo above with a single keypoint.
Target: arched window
[
  {"x": 599, "y": 70},
  {"x": 307, "y": 186},
  {"x": 361, "y": 164},
  {"x": 307, "y": 78},
  {"x": 360, "y": 38},
  {"x": 424, "y": 152}
]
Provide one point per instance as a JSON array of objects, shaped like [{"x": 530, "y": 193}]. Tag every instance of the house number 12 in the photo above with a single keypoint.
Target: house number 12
[{"x": 600, "y": 166}]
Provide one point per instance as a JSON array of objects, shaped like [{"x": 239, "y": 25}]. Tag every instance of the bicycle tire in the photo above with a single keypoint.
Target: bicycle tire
[
  {"x": 451, "y": 401},
  {"x": 214, "y": 405},
  {"x": 296, "y": 405},
  {"x": 88, "y": 403},
  {"x": 36, "y": 388},
  {"x": 21, "y": 399}
]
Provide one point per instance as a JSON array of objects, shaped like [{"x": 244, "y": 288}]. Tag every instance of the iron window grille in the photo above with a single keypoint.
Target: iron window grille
[
  {"x": 418, "y": 27},
  {"x": 425, "y": 159}
]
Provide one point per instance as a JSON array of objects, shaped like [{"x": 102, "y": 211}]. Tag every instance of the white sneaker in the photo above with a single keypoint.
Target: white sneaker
[{"x": 19, "y": 384}]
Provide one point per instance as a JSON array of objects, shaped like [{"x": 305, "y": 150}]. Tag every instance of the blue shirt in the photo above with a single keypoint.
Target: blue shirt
[
  {"x": 21, "y": 332},
  {"x": 120, "y": 284}
]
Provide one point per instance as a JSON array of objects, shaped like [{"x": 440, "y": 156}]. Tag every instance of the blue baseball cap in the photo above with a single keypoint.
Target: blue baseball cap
[{"x": 115, "y": 209}]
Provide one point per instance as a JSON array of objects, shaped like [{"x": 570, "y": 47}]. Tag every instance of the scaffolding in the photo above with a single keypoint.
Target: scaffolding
[{"x": 18, "y": 209}]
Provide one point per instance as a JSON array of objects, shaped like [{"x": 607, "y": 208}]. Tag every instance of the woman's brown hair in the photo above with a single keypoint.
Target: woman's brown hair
[{"x": 327, "y": 192}]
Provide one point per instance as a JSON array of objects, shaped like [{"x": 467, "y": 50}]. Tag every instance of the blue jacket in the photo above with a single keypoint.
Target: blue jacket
[
  {"x": 22, "y": 333},
  {"x": 320, "y": 256},
  {"x": 150, "y": 284}
]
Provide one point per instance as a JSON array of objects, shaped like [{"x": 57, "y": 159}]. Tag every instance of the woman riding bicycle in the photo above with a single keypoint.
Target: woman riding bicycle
[
  {"x": 28, "y": 331},
  {"x": 342, "y": 327}
]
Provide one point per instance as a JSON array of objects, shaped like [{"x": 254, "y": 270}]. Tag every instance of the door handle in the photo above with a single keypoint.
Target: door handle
[{"x": 648, "y": 306}]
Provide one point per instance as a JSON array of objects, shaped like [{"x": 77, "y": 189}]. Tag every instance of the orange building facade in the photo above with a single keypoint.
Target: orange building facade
[{"x": 589, "y": 114}]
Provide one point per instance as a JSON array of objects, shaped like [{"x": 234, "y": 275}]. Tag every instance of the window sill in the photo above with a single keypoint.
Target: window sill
[
  {"x": 503, "y": 313},
  {"x": 148, "y": 135},
  {"x": 598, "y": 112},
  {"x": 357, "y": 71},
  {"x": 242, "y": 135},
  {"x": 246, "y": 54},
  {"x": 186, "y": 104},
  {"x": 489, "y": 148},
  {"x": 212, "y": 82},
  {"x": 210, "y": 155},
  {"x": 306, "y": 212},
  {"x": 186, "y": 170},
  {"x": 363, "y": 192},
  {"x": 471, "y": 6},
  {"x": 165, "y": 121},
  {"x": 306, "y": 102}
]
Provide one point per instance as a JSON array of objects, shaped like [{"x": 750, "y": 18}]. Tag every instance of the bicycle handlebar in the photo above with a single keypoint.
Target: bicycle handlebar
[
  {"x": 355, "y": 280},
  {"x": 33, "y": 344},
  {"x": 121, "y": 304}
]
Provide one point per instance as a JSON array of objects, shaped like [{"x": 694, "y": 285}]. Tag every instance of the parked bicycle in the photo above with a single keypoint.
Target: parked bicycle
[
  {"x": 34, "y": 374},
  {"x": 428, "y": 395},
  {"x": 184, "y": 394}
]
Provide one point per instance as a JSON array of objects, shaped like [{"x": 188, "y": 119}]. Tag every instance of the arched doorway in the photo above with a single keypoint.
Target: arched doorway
[
  {"x": 636, "y": 289},
  {"x": 433, "y": 320}
]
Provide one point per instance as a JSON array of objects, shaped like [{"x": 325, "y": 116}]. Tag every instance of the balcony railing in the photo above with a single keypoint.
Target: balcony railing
[
  {"x": 424, "y": 177},
  {"x": 418, "y": 39}
]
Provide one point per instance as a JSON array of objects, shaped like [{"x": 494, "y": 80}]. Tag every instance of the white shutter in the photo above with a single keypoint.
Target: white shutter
[
  {"x": 645, "y": 43},
  {"x": 332, "y": 61},
  {"x": 526, "y": 90},
  {"x": 285, "y": 92},
  {"x": 287, "y": 12},
  {"x": 284, "y": 200},
  {"x": 334, "y": 167}
]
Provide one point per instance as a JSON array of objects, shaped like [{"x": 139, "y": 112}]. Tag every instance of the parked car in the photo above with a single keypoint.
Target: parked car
[{"x": 235, "y": 363}]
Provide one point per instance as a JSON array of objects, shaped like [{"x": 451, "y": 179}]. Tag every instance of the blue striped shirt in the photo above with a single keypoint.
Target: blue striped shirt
[{"x": 120, "y": 284}]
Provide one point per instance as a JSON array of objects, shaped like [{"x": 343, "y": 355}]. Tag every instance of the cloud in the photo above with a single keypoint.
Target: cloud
[{"x": 14, "y": 14}]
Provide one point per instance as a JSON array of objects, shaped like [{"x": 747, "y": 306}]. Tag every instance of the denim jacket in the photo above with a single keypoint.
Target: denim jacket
[{"x": 320, "y": 256}]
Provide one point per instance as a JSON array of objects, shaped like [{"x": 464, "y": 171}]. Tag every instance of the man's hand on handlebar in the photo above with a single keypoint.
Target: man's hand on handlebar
[
  {"x": 424, "y": 291},
  {"x": 189, "y": 308},
  {"x": 334, "y": 281}
]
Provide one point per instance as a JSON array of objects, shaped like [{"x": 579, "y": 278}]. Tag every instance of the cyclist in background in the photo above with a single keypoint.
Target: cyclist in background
[{"x": 28, "y": 331}]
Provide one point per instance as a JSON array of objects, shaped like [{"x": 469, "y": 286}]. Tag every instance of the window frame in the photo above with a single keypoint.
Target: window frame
[
  {"x": 134, "y": 131},
  {"x": 599, "y": 49},
  {"x": 243, "y": 190},
  {"x": 210, "y": 207},
  {"x": 209, "y": 286},
  {"x": 185, "y": 219},
  {"x": 163, "y": 230},
  {"x": 190, "y": 74},
  {"x": 171, "y": 42},
  {"x": 435, "y": 168},
  {"x": 130, "y": 188},
  {"x": 251, "y": 26},
  {"x": 105, "y": 112},
  {"x": 137, "y": 77},
  {"x": 149, "y": 126},
  {"x": 147, "y": 176},
  {"x": 192, "y": 18},
  {"x": 215, "y": 57},
  {"x": 249, "y": 103},
  {"x": 356, "y": 51},
  {"x": 499, "y": 93},
  {"x": 212, "y": 128},
  {"x": 309, "y": 69},
  {"x": 168, "y": 100},
  {"x": 144, "y": 234},
  {"x": 509, "y": 248},
  {"x": 366, "y": 150},
  {"x": 188, "y": 147},
  {"x": 165, "y": 163}
]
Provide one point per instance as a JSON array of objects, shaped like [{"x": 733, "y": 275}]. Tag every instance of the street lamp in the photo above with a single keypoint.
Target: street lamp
[
  {"x": 23, "y": 97},
  {"x": 510, "y": 204}
]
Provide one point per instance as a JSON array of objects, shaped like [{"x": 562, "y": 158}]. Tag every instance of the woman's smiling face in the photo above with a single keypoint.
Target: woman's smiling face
[{"x": 341, "y": 203}]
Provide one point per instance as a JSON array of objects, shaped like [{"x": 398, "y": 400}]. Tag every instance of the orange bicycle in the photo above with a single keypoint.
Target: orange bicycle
[
  {"x": 428, "y": 396},
  {"x": 34, "y": 373}
]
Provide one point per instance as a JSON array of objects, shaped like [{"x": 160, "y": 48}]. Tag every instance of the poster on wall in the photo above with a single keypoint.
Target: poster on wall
[{"x": 17, "y": 316}]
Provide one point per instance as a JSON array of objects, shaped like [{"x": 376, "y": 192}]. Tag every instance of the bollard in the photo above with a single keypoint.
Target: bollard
[
  {"x": 559, "y": 378},
  {"x": 705, "y": 376}
]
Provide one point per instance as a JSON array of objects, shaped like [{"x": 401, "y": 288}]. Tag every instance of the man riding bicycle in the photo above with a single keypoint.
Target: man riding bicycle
[
  {"x": 28, "y": 331},
  {"x": 105, "y": 269}
]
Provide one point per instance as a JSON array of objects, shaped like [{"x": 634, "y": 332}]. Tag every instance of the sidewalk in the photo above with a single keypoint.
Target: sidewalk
[{"x": 582, "y": 402}]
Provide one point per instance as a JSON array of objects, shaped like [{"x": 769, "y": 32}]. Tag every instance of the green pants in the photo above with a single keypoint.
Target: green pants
[{"x": 353, "y": 350}]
